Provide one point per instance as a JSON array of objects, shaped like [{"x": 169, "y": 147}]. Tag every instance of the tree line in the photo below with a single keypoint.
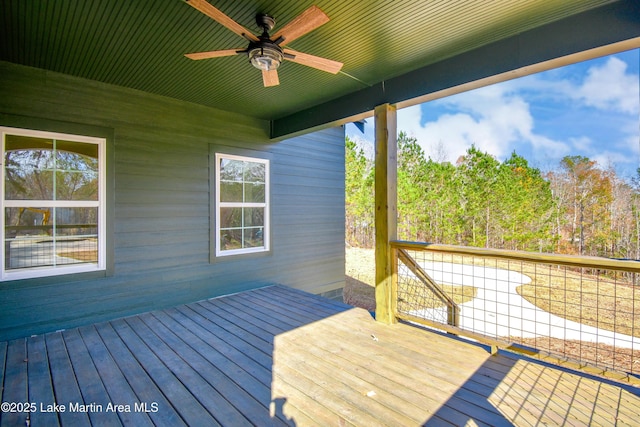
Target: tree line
[{"x": 576, "y": 208}]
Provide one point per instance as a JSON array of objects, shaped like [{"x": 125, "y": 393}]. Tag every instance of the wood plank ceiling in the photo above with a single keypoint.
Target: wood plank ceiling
[{"x": 140, "y": 44}]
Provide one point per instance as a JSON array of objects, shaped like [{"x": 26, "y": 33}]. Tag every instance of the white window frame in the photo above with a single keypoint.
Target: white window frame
[
  {"x": 219, "y": 205},
  {"x": 35, "y": 272}
]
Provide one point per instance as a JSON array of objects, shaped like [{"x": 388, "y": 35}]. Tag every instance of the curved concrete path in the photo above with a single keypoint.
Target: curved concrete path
[{"x": 499, "y": 311}]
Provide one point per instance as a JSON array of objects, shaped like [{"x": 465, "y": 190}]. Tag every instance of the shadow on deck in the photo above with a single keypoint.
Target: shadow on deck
[{"x": 277, "y": 356}]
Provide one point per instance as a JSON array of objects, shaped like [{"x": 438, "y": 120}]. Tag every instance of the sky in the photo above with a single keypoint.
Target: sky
[{"x": 590, "y": 109}]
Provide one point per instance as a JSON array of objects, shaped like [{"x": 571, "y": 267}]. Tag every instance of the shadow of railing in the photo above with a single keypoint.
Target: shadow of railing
[{"x": 527, "y": 391}]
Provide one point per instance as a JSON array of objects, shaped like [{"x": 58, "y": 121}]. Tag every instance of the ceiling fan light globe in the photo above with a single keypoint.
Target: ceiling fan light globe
[
  {"x": 264, "y": 63},
  {"x": 265, "y": 58}
]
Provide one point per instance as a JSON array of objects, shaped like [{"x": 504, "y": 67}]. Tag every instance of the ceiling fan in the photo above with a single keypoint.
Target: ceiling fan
[{"x": 266, "y": 52}]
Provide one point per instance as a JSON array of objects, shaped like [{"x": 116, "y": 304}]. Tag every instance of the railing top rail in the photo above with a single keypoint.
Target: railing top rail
[{"x": 571, "y": 260}]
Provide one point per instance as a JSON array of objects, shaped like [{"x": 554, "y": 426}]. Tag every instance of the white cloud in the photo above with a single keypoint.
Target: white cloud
[
  {"x": 546, "y": 148},
  {"x": 610, "y": 159},
  {"x": 499, "y": 119},
  {"x": 631, "y": 143},
  {"x": 582, "y": 143},
  {"x": 494, "y": 119},
  {"x": 609, "y": 87}
]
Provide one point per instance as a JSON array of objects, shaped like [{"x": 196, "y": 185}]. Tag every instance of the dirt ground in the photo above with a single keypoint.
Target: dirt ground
[{"x": 360, "y": 273}]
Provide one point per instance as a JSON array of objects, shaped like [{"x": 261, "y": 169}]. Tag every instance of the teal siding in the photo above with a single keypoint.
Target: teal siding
[{"x": 161, "y": 214}]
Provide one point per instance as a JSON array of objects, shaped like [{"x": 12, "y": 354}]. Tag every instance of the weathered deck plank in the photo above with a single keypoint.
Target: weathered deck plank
[
  {"x": 179, "y": 397},
  {"x": 277, "y": 356},
  {"x": 15, "y": 383},
  {"x": 65, "y": 385},
  {"x": 3, "y": 358},
  {"x": 250, "y": 361},
  {"x": 40, "y": 388},
  {"x": 247, "y": 408},
  {"x": 215, "y": 403},
  {"x": 436, "y": 386},
  {"x": 222, "y": 365},
  {"x": 140, "y": 381},
  {"x": 94, "y": 393},
  {"x": 116, "y": 385}
]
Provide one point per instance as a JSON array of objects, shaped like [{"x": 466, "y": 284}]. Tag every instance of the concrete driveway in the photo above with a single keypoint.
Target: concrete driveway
[{"x": 499, "y": 311}]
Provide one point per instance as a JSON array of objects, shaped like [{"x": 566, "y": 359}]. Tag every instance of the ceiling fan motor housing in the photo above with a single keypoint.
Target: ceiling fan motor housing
[{"x": 265, "y": 54}]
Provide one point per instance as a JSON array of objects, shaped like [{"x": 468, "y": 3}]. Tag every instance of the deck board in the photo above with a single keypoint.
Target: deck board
[
  {"x": 141, "y": 383},
  {"x": 64, "y": 382},
  {"x": 3, "y": 358},
  {"x": 249, "y": 358},
  {"x": 278, "y": 356},
  {"x": 426, "y": 383},
  {"x": 15, "y": 382},
  {"x": 91, "y": 386},
  {"x": 217, "y": 361},
  {"x": 116, "y": 385},
  {"x": 40, "y": 388},
  {"x": 178, "y": 396},
  {"x": 215, "y": 403},
  {"x": 247, "y": 407}
]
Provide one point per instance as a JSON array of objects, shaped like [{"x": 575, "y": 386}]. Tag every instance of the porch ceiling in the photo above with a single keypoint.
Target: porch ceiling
[{"x": 140, "y": 45}]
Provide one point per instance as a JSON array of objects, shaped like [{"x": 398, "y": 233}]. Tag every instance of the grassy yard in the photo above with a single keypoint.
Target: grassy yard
[
  {"x": 596, "y": 300},
  {"x": 360, "y": 283},
  {"x": 85, "y": 256},
  {"x": 360, "y": 274}
]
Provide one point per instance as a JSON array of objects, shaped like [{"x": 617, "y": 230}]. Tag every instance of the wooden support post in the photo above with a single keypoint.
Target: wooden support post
[{"x": 386, "y": 210}]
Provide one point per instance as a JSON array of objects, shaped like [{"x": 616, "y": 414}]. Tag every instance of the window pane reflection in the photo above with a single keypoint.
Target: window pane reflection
[
  {"x": 41, "y": 237},
  {"x": 253, "y": 237},
  {"x": 34, "y": 167},
  {"x": 230, "y": 217},
  {"x": 242, "y": 203},
  {"x": 230, "y": 239}
]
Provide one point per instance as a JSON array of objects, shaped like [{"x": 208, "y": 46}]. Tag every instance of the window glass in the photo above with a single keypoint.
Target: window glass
[
  {"x": 241, "y": 204},
  {"x": 76, "y": 171},
  {"x": 53, "y": 213}
]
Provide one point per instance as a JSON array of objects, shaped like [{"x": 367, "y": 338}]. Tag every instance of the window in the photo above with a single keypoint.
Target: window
[
  {"x": 241, "y": 205},
  {"x": 53, "y": 193}
]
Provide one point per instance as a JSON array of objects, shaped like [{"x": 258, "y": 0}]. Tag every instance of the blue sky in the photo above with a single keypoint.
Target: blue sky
[{"x": 590, "y": 109}]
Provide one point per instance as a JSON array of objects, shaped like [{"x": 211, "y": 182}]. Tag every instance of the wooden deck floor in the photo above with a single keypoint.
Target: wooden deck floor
[{"x": 277, "y": 356}]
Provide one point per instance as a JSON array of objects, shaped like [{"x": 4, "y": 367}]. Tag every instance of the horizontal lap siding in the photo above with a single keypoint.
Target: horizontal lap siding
[
  {"x": 308, "y": 207},
  {"x": 161, "y": 205}
]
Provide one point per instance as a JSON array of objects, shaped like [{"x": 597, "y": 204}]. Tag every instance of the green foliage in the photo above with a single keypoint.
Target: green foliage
[
  {"x": 577, "y": 208},
  {"x": 526, "y": 206},
  {"x": 359, "y": 196},
  {"x": 412, "y": 187},
  {"x": 478, "y": 174}
]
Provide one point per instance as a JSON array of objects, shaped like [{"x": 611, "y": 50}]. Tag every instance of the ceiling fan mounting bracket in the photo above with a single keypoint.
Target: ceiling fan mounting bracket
[{"x": 265, "y": 21}]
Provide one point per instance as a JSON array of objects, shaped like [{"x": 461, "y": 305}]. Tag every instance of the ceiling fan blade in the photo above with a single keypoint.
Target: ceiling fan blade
[
  {"x": 270, "y": 78},
  {"x": 307, "y": 21},
  {"x": 215, "y": 14},
  {"x": 212, "y": 54},
  {"x": 317, "y": 62}
]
